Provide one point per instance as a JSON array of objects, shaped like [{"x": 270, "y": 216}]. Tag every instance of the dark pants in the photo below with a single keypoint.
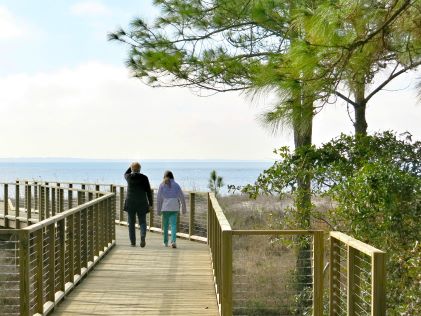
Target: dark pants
[{"x": 132, "y": 222}]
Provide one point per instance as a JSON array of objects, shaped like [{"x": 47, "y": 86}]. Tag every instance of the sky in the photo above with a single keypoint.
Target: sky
[{"x": 65, "y": 92}]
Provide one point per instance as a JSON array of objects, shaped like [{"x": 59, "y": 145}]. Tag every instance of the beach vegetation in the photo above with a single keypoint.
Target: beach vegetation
[
  {"x": 215, "y": 182},
  {"x": 374, "y": 183}
]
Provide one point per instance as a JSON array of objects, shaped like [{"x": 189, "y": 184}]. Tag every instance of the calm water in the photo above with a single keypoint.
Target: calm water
[{"x": 191, "y": 175}]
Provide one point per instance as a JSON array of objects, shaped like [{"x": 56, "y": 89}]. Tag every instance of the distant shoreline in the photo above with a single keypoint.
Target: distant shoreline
[{"x": 87, "y": 160}]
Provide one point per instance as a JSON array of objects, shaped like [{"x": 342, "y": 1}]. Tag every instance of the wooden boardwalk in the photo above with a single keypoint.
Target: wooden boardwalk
[{"x": 146, "y": 281}]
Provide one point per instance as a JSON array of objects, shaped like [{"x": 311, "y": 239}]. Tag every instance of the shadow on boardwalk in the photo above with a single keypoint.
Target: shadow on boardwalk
[{"x": 146, "y": 281}]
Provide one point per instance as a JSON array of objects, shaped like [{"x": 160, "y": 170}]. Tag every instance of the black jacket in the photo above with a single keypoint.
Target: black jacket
[{"x": 139, "y": 193}]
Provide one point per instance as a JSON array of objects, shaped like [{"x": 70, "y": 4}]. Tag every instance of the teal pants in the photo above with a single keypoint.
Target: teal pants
[{"x": 169, "y": 218}]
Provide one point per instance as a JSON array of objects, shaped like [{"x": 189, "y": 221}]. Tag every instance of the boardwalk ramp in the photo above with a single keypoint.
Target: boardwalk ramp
[{"x": 146, "y": 281}]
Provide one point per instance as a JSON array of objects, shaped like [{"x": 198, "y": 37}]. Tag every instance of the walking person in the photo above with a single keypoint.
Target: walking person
[
  {"x": 170, "y": 198},
  {"x": 139, "y": 202}
]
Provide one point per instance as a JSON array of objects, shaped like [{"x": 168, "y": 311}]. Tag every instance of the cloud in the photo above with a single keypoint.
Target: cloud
[
  {"x": 91, "y": 8},
  {"x": 13, "y": 28},
  {"x": 10, "y": 26},
  {"x": 96, "y": 110}
]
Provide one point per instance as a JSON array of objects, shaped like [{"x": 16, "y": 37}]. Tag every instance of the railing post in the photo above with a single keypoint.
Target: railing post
[
  {"x": 97, "y": 228},
  {"x": 209, "y": 220},
  {"x": 226, "y": 301},
  {"x": 151, "y": 216},
  {"x": 39, "y": 271},
  {"x": 192, "y": 213},
  {"x": 351, "y": 252},
  {"x": 107, "y": 205},
  {"x": 28, "y": 203},
  {"x": 41, "y": 202},
  {"x": 17, "y": 205},
  {"x": 334, "y": 280},
  {"x": 47, "y": 200},
  {"x": 121, "y": 215},
  {"x": 111, "y": 215},
  {"x": 76, "y": 236},
  {"x": 58, "y": 201},
  {"x": 378, "y": 275},
  {"x": 24, "y": 272},
  {"x": 70, "y": 196},
  {"x": 91, "y": 228},
  {"x": 51, "y": 262},
  {"x": 102, "y": 224},
  {"x": 6, "y": 205},
  {"x": 71, "y": 228},
  {"x": 61, "y": 246},
  {"x": 83, "y": 230},
  {"x": 25, "y": 201},
  {"x": 61, "y": 200},
  {"x": 36, "y": 207},
  {"x": 318, "y": 252},
  {"x": 53, "y": 201}
]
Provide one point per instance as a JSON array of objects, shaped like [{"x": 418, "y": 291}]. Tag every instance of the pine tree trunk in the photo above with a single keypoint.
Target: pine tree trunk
[
  {"x": 303, "y": 128},
  {"x": 360, "y": 124}
]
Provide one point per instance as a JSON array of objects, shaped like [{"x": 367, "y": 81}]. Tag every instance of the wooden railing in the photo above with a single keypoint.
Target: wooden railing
[
  {"x": 281, "y": 271},
  {"x": 59, "y": 245},
  {"x": 255, "y": 271},
  {"x": 227, "y": 268},
  {"x": 193, "y": 226},
  {"x": 357, "y": 277}
]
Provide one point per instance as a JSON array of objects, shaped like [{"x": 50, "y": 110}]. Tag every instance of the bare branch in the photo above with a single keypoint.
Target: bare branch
[{"x": 391, "y": 77}]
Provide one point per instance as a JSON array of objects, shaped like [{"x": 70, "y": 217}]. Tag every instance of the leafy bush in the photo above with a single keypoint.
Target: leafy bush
[{"x": 375, "y": 183}]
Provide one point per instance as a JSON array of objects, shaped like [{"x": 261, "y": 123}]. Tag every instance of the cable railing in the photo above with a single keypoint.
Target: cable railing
[
  {"x": 63, "y": 229},
  {"x": 280, "y": 272},
  {"x": 265, "y": 272},
  {"x": 192, "y": 226},
  {"x": 357, "y": 277},
  {"x": 67, "y": 231}
]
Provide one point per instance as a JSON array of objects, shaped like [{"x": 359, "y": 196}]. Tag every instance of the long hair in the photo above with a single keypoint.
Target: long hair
[{"x": 167, "y": 177}]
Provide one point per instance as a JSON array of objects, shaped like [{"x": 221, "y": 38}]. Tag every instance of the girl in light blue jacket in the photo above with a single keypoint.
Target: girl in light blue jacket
[{"x": 170, "y": 197}]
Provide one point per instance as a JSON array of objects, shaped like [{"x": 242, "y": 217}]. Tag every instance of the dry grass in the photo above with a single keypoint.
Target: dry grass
[
  {"x": 265, "y": 273},
  {"x": 9, "y": 277},
  {"x": 262, "y": 213}
]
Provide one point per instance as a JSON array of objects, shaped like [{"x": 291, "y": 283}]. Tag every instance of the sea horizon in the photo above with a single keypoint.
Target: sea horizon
[
  {"x": 191, "y": 174},
  {"x": 76, "y": 159}
]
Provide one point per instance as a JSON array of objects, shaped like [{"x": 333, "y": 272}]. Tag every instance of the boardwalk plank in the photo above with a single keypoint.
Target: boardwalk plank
[{"x": 146, "y": 281}]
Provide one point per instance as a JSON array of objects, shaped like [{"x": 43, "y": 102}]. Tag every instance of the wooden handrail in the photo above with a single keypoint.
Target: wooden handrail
[
  {"x": 86, "y": 231},
  {"x": 351, "y": 275},
  {"x": 355, "y": 243},
  {"x": 61, "y": 216},
  {"x": 222, "y": 220},
  {"x": 250, "y": 232}
]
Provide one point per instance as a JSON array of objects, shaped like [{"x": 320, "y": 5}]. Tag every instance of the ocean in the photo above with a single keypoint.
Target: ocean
[{"x": 191, "y": 175}]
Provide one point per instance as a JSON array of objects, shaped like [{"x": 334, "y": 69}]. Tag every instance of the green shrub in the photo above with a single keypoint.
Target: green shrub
[{"x": 375, "y": 185}]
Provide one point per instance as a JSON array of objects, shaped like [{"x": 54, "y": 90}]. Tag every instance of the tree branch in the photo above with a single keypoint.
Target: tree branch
[
  {"x": 345, "y": 98},
  {"x": 391, "y": 77},
  {"x": 382, "y": 27}
]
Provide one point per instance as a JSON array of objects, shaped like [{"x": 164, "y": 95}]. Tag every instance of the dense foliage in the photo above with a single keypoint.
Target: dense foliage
[{"x": 375, "y": 185}]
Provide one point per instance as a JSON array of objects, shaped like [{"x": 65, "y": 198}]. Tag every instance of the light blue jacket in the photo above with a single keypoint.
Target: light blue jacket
[{"x": 169, "y": 198}]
